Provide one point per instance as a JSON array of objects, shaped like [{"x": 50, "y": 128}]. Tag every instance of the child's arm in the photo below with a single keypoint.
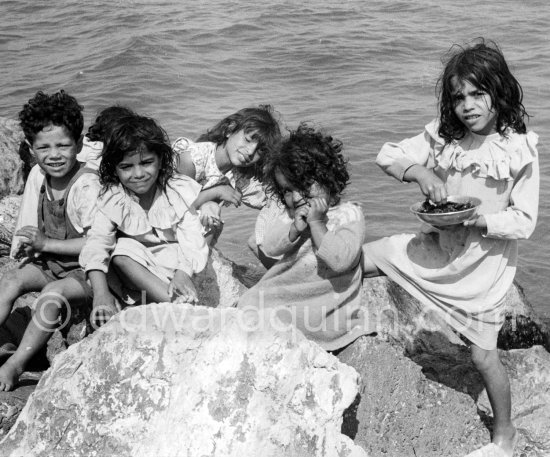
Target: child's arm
[
  {"x": 340, "y": 249},
  {"x": 34, "y": 241},
  {"x": 28, "y": 209},
  {"x": 413, "y": 160},
  {"x": 184, "y": 161},
  {"x": 192, "y": 256},
  {"x": 518, "y": 221},
  {"x": 223, "y": 192},
  {"x": 104, "y": 303},
  {"x": 182, "y": 288},
  {"x": 281, "y": 235},
  {"x": 94, "y": 259}
]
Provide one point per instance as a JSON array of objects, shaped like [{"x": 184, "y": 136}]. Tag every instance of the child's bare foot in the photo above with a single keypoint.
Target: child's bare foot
[
  {"x": 9, "y": 374},
  {"x": 506, "y": 440}
]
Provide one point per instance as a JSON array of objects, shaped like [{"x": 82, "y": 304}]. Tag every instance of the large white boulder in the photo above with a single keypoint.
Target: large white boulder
[{"x": 176, "y": 380}]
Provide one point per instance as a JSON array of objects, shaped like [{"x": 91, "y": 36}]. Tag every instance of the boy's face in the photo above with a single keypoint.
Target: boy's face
[{"x": 55, "y": 150}]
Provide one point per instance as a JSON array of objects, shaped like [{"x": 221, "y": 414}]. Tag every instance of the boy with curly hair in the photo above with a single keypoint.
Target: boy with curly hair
[{"x": 52, "y": 125}]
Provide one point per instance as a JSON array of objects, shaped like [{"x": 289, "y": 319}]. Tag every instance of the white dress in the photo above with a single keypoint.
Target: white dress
[
  {"x": 464, "y": 272},
  {"x": 207, "y": 173},
  {"x": 166, "y": 238}
]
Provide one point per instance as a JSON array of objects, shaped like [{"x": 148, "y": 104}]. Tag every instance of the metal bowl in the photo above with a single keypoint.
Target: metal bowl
[{"x": 452, "y": 218}]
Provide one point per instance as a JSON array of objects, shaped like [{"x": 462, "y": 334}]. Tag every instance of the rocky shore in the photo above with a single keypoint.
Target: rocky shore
[{"x": 167, "y": 380}]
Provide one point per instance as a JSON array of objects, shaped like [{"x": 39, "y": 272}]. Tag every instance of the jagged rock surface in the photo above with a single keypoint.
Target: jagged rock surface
[
  {"x": 177, "y": 380},
  {"x": 11, "y": 172}
]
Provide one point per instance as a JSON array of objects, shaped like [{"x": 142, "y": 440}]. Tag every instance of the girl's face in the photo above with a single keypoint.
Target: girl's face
[
  {"x": 294, "y": 198},
  {"x": 139, "y": 171},
  {"x": 474, "y": 107},
  {"x": 241, "y": 149}
]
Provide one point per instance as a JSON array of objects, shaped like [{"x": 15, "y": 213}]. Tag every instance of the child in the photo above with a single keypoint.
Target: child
[
  {"x": 97, "y": 132},
  {"x": 316, "y": 284},
  {"x": 144, "y": 224},
  {"x": 227, "y": 162},
  {"x": 52, "y": 125},
  {"x": 478, "y": 147},
  {"x": 92, "y": 145}
]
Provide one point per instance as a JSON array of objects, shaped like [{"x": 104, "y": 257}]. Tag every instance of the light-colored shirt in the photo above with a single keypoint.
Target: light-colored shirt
[{"x": 170, "y": 222}]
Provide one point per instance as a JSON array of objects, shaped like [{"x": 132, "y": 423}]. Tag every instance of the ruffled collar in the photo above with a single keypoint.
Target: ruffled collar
[
  {"x": 497, "y": 156},
  {"x": 168, "y": 208}
]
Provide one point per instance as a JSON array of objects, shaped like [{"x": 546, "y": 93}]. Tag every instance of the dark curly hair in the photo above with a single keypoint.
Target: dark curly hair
[
  {"x": 130, "y": 134},
  {"x": 308, "y": 156},
  {"x": 99, "y": 129},
  {"x": 261, "y": 122},
  {"x": 60, "y": 109},
  {"x": 483, "y": 66}
]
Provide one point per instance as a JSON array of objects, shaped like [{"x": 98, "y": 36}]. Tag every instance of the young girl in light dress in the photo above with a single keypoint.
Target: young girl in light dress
[
  {"x": 145, "y": 225},
  {"x": 478, "y": 147},
  {"x": 227, "y": 162},
  {"x": 317, "y": 281}
]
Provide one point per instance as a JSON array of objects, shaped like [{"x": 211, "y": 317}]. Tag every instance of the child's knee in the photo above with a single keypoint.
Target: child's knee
[
  {"x": 11, "y": 281},
  {"x": 120, "y": 260},
  {"x": 484, "y": 359}
]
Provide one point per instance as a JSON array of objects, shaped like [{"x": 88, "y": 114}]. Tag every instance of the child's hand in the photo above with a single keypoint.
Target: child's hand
[
  {"x": 430, "y": 184},
  {"x": 105, "y": 306},
  {"x": 33, "y": 241},
  {"x": 318, "y": 208},
  {"x": 229, "y": 195},
  {"x": 181, "y": 289},
  {"x": 300, "y": 218},
  {"x": 210, "y": 215}
]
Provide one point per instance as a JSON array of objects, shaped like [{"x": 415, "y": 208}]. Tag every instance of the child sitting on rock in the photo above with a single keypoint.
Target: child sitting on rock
[
  {"x": 227, "y": 162},
  {"x": 66, "y": 204},
  {"x": 90, "y": 153},
  {"x": 145, "y": 226},
  {"x": 317, "y": 282}
]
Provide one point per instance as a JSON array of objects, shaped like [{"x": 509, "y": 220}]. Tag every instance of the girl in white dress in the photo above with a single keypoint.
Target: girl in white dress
[
  {"x": 145, "y": 225},
  {"x": 478, "y": 147},
  {"x": 227, "y": 162}
]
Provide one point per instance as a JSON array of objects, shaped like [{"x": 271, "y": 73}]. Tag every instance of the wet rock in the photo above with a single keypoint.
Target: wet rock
[{"x": 168, "y": 379}]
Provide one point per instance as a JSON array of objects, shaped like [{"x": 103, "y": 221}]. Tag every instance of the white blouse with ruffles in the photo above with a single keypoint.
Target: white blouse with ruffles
[
  {"x": 170, "y": 223},
  {"x": 207, "y": 173},
  {"x": 465, "y": 272}
]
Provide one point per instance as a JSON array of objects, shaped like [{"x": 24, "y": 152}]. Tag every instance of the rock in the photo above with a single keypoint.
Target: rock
[
  {"x": 9, "y": 209},
  {"x": 218, "y": 284},
  {"x": 12, "y": 172},
  {"x": 402, "y": 411},
  {"x": 162, "y": 380}
]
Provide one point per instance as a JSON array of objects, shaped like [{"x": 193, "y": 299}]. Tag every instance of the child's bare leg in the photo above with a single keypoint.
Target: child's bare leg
[
  {"x": 498, "y": 390},
  {"x": 49, "y": 304},
  {"x": 370, "y": 270},
  {"x": 17, "y": 282},
  {"x": 140, "y": 278}
]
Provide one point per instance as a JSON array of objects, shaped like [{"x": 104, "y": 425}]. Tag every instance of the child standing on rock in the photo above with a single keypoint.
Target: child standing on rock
[
  {"x": 52, "y": 125},
  {"x": 145, "y": 225},
  {"x": 316, "y": 284},
  {"x": 478, "y": 147}
]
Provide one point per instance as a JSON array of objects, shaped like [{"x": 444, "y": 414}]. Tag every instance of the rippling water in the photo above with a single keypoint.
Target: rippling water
[{"x": 365, "y": 71}]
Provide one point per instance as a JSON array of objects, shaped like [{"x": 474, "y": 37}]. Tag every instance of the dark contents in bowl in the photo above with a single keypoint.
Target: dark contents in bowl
[{"x": 448, "y": 207}]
